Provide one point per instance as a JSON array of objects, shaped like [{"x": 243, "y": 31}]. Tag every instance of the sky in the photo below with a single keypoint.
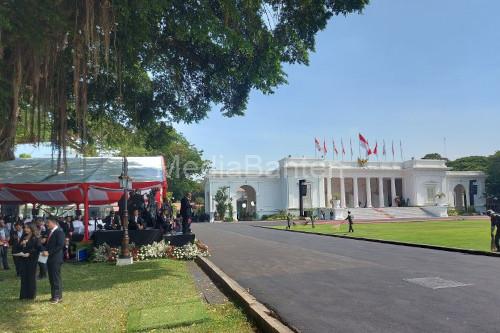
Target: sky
[{"x": 415, "y": 71}]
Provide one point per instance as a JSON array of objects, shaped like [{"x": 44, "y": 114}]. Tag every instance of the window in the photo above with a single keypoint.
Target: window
[{"x": 431, "y": 193}]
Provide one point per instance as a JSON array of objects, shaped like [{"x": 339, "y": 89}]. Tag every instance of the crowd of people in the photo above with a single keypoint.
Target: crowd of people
[
  {"x": 140, "y": 219},
  {"x": 40, "y": 245},
  {"x": 36, "y": 245}
]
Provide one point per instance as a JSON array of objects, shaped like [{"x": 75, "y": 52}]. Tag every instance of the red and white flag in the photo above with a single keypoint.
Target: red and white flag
[
  {"x": 317, "y": 144},
  {"x": 335, "y": 148},
  {"x": 364, "y": 143},
  {"x": 375, "y": 150},
  {"x": 343, "y": 148},
  {"x": 325, "y": 151},
  {"x": 384, "y": 152}
]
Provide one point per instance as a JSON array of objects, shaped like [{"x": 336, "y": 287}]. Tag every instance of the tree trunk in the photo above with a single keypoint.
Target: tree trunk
[{"x": 8, "y": 130}]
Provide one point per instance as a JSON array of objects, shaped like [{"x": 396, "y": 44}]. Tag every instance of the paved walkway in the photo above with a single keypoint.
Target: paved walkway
[{"x": 325, "y": 284}]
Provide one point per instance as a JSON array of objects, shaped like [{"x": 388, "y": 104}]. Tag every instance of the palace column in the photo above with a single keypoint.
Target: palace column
[
  {"x": 328, "y": 192},
  {"x": 355, "y": 191},
  {"x": 368, "y": 193},
  {"x": 393, "y": 190},
  {"x": 342, "y": 192},
  {"x": 381, "y": 201}
]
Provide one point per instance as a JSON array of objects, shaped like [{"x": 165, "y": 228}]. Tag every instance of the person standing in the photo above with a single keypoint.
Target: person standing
[
  {"x": 288, "y": 220},
  {"x": 349, "y": 219},
  {"x": 41, "y": 235},
  {"x": 54, "y": 251},
  {"x": 4, "y": 244},
  {"x": 16, "y": 235},
  {"x": 495, "y": 223},
  {"x": 30, "y": 246},
  {"x": 186, "y": 213}
]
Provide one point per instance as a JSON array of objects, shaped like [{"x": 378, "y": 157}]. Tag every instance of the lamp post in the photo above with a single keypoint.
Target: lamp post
[{"x": 125, "y": 184}]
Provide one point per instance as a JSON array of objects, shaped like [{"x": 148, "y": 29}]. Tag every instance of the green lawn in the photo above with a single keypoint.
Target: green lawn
[
  {"x": 467, "y": 234},
  {"x": 102, "y": 297}
]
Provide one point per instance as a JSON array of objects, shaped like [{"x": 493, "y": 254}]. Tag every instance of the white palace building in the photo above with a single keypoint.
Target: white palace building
[{"x": 371, "y": 190}]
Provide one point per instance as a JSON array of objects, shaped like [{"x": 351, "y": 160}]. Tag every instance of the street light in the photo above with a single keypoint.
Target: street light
[{"x": 125, "y": 185}]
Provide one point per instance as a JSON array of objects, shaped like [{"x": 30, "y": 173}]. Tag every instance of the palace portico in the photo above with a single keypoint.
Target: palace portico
[{"x": 338, "y": 185}]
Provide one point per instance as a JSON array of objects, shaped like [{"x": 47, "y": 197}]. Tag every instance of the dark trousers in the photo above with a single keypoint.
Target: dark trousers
[
  {"x": 27, "y": 268},
  {"x": 497, "y": 239},
  {"x": 185, "y": 225},
  {"x": 42, "y": 273},
  {"x": 3, "y": 253},
  {"x": 351, "y": 228},
  {"x": 17, "y": 264},
  {"x": 54, "y": 270}
]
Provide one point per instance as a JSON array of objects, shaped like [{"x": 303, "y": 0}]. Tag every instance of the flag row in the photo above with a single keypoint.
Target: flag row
[{"x": 363, "y": 146}]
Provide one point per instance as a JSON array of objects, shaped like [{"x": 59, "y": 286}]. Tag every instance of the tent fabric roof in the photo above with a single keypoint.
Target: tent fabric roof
[
  {"x": 81, "y": 170},
  {"x": 36, "y": 180}
]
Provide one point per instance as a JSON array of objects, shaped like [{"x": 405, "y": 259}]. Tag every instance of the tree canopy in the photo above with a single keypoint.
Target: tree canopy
[
  {"x": 433, "y": 156},
  {"x": 470, "y": 163},
  {"x": 68, "y": 65},
  {"x": 488, "y": 164}
]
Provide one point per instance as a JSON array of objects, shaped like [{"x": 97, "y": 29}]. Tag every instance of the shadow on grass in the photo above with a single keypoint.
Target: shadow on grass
[{"x": 17, "y": 315}]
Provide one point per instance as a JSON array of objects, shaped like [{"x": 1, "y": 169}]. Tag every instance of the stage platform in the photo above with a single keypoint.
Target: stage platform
[
  {"x": 179, "y": 239},
  {"x": 140, "y": 237}
]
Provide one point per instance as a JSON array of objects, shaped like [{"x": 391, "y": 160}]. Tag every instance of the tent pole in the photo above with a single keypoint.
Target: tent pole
[{"x": 86, "y": 211}]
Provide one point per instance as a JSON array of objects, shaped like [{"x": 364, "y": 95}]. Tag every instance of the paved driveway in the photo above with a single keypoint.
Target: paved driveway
[{"x": 325, "y": 284}]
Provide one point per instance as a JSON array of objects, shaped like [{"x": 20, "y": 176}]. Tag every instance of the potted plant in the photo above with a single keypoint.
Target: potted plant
[
  {"x": 335, "y": 200},
  {"x": 441, "y": 199}
]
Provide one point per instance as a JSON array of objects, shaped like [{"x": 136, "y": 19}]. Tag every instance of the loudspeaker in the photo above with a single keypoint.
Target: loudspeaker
[{"x": 35, "y": 211}]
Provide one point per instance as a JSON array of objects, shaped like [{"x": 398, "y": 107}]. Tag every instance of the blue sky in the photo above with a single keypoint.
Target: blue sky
[{"x": 417, "y": 71}]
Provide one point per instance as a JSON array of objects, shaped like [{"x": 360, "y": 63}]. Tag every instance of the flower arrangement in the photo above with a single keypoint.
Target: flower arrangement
[
  {"x": 101, "y": 253},
  {"x": 156, "y": 250}
]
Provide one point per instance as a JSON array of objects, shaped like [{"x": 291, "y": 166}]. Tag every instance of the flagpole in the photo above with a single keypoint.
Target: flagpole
[
  {"x": 333, "y": 150},
  {"x": 350, "y": 144},
  {"x": 359, "y": 149},
  {"x": 401, "y": 149},
  {"x": 315, "y": 149}
]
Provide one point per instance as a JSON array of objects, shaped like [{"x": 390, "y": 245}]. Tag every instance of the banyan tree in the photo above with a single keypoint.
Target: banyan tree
[{"x": 65, "y": 64}]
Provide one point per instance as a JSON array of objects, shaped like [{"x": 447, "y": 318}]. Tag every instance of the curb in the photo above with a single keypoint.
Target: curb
[
  {"x": 423, "y": 246},
  {"x": 259, "y": 312}
]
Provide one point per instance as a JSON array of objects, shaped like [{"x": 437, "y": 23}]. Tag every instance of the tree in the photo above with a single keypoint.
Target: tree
[
  {"x": 433, "y": 156},
  {"x": 493, "y": 171},
  {"x": 223, "y": 202},
  {"x": 470, "y": 163},
  {"x": 488, "y": 164},
  {"x": 184, "y": 163},
  {"x": 65, "y": 63}
]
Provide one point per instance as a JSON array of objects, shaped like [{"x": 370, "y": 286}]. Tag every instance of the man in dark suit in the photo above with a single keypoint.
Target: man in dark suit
[
  {"x": 16, "y": 235},
  {"x": 136, "y": 222},
  {"x": 186, "y": 212},
  {"x": 112, "y": 222},
  {"x": 54, "y": 250},
  {"x": 67, "y": 226}
]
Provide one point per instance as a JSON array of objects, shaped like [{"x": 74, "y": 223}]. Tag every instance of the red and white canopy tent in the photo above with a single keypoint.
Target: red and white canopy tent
[{"x": 87, "y": 181}]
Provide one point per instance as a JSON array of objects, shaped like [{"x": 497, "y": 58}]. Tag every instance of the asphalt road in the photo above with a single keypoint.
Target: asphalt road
[{"x": 326, "y": 284}]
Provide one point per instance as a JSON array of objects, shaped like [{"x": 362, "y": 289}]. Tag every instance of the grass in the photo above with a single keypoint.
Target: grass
[
  {"x": 464, "y": 234},
  {"x": 100, "y": 297}
]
